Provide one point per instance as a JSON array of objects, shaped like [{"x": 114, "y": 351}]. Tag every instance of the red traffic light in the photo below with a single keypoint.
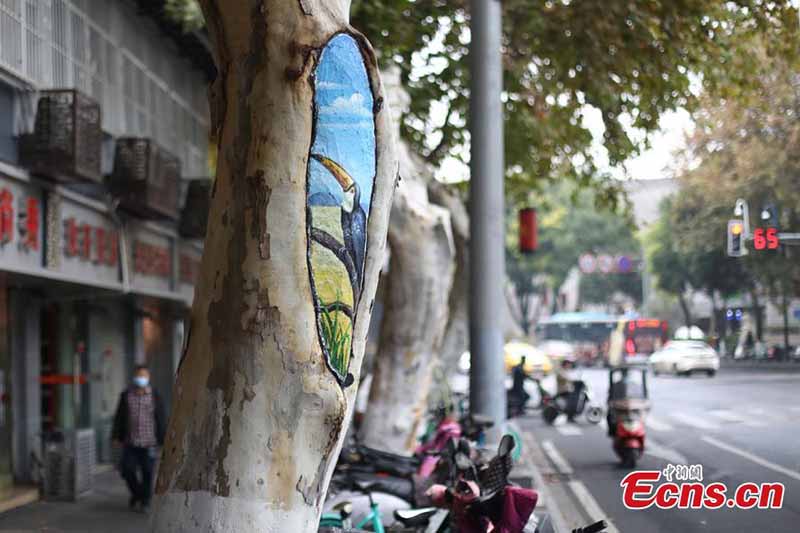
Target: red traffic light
[{"x": 528, "y": 239}]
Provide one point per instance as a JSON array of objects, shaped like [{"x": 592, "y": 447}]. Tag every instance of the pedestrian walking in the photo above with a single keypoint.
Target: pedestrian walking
[{"x": 139, "y": 429}]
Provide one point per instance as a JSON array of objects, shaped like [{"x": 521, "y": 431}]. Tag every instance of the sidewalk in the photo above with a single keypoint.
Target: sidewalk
[
  {"x": 104, "y": 510},
  {"x": 762, "y": 364},
  {"x": 528, "y": 473}
]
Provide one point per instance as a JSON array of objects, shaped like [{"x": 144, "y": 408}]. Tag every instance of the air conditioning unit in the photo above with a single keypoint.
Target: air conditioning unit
[
  {"x": 67, "y": 139},
  {"x": 146, "y": 178},
  {"x": 69, "y": 466}
]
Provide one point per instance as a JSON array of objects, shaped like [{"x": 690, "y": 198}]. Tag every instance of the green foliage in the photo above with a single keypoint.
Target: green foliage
[
  {"x": 336, "y": 333},
  {"x": 748, "y": 148},
  {"x": 186, "y": 12},
  {"x": 632, "y": 61},
  {"x": 571, "y": 224}
]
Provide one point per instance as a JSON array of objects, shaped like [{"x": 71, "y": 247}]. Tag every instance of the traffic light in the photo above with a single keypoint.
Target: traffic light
[
  {"x": 528, "y": 238},
  {"x": 769, "y": 216},
  {"x": 736, "y": 246}
]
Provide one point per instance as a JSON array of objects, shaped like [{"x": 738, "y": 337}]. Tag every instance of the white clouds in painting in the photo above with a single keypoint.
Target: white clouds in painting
[
  {"x": 341, "y": 106},
  {"x": 330, "y": 85},
  {"x": 361, "y": 124}
]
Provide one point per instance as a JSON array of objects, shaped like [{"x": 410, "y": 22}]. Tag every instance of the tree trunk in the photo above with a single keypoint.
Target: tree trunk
[
  {"x": 687, "y": 314},
  {"x": 456, "y": 334},
  {"x": 785, "y": 309},
  {"x": 415, "y": 316},
  {"x": 262, "y": 391},
  {"x": 756, "y": 310}
]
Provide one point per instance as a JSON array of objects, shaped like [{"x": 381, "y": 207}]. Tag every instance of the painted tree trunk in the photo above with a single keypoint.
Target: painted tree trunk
[
  {"x": 415, "y": 316},
  {"x": 296, "y": 238}
]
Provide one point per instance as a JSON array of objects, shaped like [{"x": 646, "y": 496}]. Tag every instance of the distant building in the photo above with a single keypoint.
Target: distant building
[
  {"x": 89, "y": 287},
  {"x": 646, "y": 196}
]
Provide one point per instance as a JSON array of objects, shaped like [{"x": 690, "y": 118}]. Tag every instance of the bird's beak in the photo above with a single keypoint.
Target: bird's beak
[{"x": 345, "y": 180}]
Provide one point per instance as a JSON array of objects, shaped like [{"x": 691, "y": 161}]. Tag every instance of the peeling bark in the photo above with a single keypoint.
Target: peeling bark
[
  {"x": 456, "y": 335},
  {"x": 415, "y": 315},
  {"x": 258, "y": 417}
]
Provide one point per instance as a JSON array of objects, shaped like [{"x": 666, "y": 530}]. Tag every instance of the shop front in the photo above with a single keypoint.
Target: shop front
[{"x": 84, "y": 297}]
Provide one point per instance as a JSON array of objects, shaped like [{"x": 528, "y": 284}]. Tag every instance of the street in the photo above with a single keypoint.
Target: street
[{"x": 741, "y": 426}]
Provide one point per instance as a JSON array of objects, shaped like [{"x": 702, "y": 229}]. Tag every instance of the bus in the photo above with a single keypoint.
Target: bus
[
  {"x": 590, "y": 335},
  {"x": 636, "y": 339},
  {"x": 587, "y": 332}
]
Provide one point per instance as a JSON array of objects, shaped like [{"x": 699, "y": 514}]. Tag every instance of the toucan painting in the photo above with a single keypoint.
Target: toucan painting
[{"x": 340, "y": 179}]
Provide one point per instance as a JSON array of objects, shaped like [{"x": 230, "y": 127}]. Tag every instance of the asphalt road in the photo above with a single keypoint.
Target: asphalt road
[{"x": 741, "y": 426}]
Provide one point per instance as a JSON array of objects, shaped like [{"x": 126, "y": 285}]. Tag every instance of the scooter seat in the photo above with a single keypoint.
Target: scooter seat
[
  {"x": 414, "y": 517},
  {"x": 344, "y": 508},
  {"x": 364, "y": 486}
]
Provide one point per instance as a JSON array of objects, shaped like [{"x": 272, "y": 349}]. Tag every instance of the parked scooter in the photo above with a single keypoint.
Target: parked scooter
[
  {"x": 518, "y": 405},
  {"x": 579, "y": 401},
  {"x": 627, "y": 406}
]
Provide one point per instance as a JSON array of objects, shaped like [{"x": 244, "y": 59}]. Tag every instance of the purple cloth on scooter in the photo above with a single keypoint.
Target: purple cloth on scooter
[{"x": 518, "y": 504}]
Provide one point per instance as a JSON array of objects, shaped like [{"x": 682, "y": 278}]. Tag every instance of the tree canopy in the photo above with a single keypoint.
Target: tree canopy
[
  {"x": 745, "y": 148},
  {"x": 570, "y": 224},
  {"x": 624, "y": 62}
]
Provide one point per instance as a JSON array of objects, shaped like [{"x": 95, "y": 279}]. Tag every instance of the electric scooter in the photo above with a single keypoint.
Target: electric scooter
[{"x": 627, "y": 406}]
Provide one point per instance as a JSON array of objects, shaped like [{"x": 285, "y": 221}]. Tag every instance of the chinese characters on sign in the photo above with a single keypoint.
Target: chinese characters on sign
[
  {"x": 90, "y": 243},
  {"x": 28, "y": 214},
  {"x": 151, "y": 260}
]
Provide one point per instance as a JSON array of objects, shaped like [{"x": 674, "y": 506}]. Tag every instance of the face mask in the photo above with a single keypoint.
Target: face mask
[{"x": 141, "y": 381}]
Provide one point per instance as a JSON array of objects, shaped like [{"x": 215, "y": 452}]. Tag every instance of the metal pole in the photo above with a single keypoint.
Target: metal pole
[{"x": 487, "y": 216}]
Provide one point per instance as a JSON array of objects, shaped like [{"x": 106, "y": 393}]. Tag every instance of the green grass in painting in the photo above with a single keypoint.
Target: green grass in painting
[{"x": 336, "y": 330}]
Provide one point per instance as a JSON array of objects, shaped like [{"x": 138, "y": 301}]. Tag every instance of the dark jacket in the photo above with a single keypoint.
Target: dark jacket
[{"x": 121, "y": 423}]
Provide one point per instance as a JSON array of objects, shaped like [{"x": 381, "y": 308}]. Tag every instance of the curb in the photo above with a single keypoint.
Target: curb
[
  {"x": 526, "y": 473},
  {"x": 748, "y": 364}
]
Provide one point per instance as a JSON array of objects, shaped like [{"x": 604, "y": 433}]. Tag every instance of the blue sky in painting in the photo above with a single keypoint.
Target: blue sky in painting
[{"x": 345, "y": 129}]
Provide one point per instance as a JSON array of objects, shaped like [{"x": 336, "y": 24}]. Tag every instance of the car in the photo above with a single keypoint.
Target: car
[
  {"x": 684, "y": 357},
  {"x": 536, "y": 362},
  {"x": 558, "y": 351}
]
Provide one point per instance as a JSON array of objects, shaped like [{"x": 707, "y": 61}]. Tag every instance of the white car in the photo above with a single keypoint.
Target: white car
[{"x": 683, "y": 357}]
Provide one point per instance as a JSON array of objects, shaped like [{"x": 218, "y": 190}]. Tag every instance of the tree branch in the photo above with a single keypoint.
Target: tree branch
[
  {"x": 340, "y": 307},
  {"x": 329, "y": 242}
]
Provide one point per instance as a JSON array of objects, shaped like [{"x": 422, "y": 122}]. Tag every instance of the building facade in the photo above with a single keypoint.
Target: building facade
[{"x": 88, "y": 287}]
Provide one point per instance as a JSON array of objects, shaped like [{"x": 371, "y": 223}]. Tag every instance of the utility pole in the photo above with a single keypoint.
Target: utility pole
[{"x": 487, "y": 216}]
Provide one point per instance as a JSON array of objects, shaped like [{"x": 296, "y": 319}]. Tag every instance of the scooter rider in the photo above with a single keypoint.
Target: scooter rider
[
  {"x": 566, "y": 389},
  {"x": 518, "y": 377}
]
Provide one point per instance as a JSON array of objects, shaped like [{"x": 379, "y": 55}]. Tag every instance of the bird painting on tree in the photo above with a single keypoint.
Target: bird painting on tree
[{"x": 341, "y": 174}]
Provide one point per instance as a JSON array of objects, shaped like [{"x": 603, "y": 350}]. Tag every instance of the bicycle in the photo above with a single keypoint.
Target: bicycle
[{"x": 341, "y": 518}]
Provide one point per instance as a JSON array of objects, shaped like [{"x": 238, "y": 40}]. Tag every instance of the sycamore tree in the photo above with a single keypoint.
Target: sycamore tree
[
  {"x": 296, "y": 237},
  {"x": 621, "y": 64}
]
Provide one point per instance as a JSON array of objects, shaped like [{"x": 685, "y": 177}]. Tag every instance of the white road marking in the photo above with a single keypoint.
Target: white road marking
[
  {"x": 696, "y": 421},
  {"x": 795, "y": 408},
  {"x": 561, "y": 464},
  {"x": 590, "y": 505},
  {"x": 569, "y": 430},
  {"x": 752, "y": 457},
  {"x": 655, "y": 449},
  {"x": 657, "y": 424},
  {"x": 762, "y": 413},
  {"x": 732, "y": 416},
  {"x": 560, "y": 420}
]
